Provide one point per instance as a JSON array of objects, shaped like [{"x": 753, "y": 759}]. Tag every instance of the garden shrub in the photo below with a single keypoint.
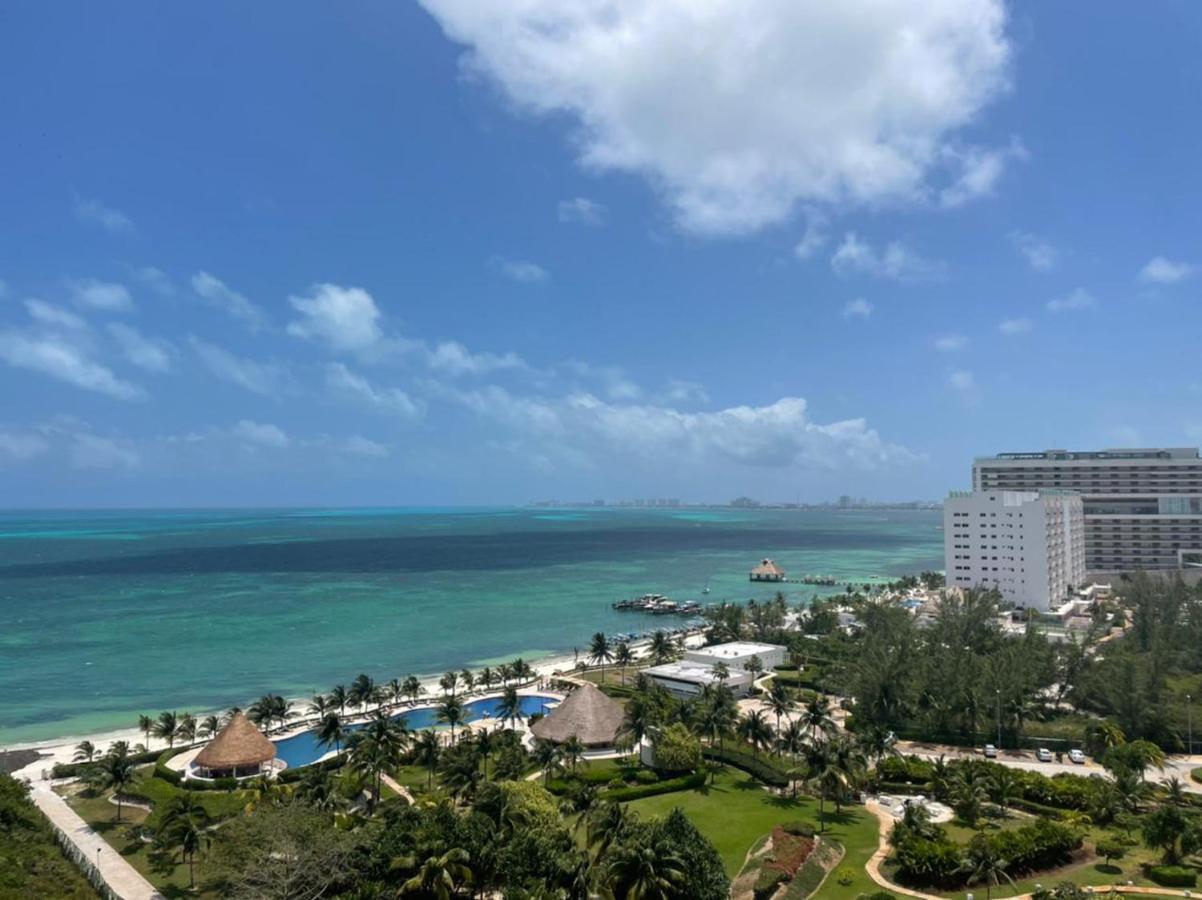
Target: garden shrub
[
  {"x": 757, "y": 765},
  {"x": 1173, "y": 876},
  {"x": 799, "y": 828},
  {"x": 667, "y": 786},
  {"x": 767, "y": 882},
  {"x": 905, "y": 769},
  {"x": 677, "y": 750}
]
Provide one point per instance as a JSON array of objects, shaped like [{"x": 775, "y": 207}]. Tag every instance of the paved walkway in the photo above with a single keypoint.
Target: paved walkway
[
  {"x": 122, "y": 878},
  {"x": 398, "y": 787}
]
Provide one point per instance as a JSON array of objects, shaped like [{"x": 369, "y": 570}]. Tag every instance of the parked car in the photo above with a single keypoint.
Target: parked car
[
  {"x": 1043, "y": 754},
  {"x": 990, "y": 751},
  {"x": 1077, "y": 757}
]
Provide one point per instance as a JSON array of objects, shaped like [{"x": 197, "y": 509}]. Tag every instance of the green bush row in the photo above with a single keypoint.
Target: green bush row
[
  {"x": 808, "y": 877},
  {"x": 752, "y": 763},
  {"x": 1173, "y": 876},
  {"x": 75, "y": 770},
  {"x": 667, "y": 786}
]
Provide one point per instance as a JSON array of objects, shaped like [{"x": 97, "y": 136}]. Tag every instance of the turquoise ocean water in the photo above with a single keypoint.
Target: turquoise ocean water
[{"x": 104, "y": 615}]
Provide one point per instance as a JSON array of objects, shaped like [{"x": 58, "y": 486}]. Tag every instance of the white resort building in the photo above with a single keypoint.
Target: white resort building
[
  {"x": 686, "y": 678},
  {"x": 1030, "y": 545}
]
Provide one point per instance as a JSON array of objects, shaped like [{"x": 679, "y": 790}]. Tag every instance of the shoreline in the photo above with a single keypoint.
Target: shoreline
[{"x": 61, "y": 749}]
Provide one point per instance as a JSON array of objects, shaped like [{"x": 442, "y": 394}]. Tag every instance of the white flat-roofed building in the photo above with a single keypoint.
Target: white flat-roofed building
[
  {"x": 1030, "y": 545},
  {"x": 685, "y": 679},
  {"x": 737, "y": 653},
  {"x": 1143, "y": 506}
]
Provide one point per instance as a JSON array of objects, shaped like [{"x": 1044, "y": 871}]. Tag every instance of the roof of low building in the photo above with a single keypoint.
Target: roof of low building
[
  {"x": 237, "y": 745},
  {"x": 767, "y": 567},
  {"x": 587, "y": 713}
]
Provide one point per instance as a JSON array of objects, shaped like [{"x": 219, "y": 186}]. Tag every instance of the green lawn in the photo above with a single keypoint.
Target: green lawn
[{"x": 735, "y": 812}]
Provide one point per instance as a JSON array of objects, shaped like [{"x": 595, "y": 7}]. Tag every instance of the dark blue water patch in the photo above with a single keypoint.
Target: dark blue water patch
[
  {"x": 303, "y": 749},
  {"x": 460, "y": 552}
]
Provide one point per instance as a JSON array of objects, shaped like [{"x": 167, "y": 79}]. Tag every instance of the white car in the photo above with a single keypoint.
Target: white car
[
  {"x": 1077, "y": 757},
  {"x": 990, "y": 751},
  {"x": 1043, "y": 754}
]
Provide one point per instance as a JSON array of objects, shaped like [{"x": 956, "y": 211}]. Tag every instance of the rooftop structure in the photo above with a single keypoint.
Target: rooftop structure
[
  {"x": 685, "y": 679},
  {"x": 1142, "y": 507},
  {"x": 239, "y": 750},
  {"x": 736, "y": 653},
  {"x": 590, "y": 715},
  {"x": 767, "y": 570}
]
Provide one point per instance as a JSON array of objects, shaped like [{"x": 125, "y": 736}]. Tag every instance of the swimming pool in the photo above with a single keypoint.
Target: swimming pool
[{"x": 303, "y": 749}]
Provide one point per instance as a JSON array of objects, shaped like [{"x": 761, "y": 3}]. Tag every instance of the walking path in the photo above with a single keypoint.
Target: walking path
[
  {"x": 123, "y": 879},
  {"x": 398, "y": 787}
]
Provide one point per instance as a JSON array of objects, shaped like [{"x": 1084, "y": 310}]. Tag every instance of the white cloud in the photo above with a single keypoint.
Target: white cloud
[
  {"x": 1164, "y": 271},
  {"x": 520, "y": 270},
  {"x": 1011, "y": 327},
  {"x": 735, "y": 110},
  {"x": 858, "y": 308},
  {"x": 581, "y": 211},
  {"x": 93, "y": 212},
  {"x": 392, "y": 400},
  {"x": 55, "y": 316},
  {"x": 51, "y": 355},
  {"x": 346, "y": 318},
  {"x": 356, "y": 445},
  {"x": 897, "y": 261},
  {"x": 680, "y": 391},
  {"x": 454, "y": 358},
  {"x": 964, "y": 384},
  {"x": 218, "y": 293},
  {"x": 18, "y": 447},
  {"x": 1039, "y": 254},
  {"x": 155, "y": 279},
  {"x": 1079, "y": 299},
  {"x": 980, "y": 169},
  {"x": 152, "y": 354},
  {"x": 779, "y": 435},
  {"x": 813, "y": 238},
  {"x": 267, "y": 379},
  {"x": 950, "y": 343},
  {"x": 103, "y": 295},
  {"x": 93, "y": 451},
  {"x": 261, "y": 434}
]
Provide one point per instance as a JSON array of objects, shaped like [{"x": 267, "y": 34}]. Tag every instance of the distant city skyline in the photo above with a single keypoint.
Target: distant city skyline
[{"x": 466, "y": 252}]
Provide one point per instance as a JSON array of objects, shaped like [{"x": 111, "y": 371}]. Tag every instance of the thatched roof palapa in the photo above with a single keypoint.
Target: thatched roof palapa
[
  {"x": 238, "y": 745},
  {"x": 587, "y": 713},
  {"x": 767, "y": 570}
]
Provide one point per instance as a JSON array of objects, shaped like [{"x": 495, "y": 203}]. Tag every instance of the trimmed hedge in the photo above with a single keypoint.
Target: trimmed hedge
[
  {"x": 937, "y": 861},
  {"x": 753, "y": 764},
  {"x": 1173, "y": 876},
  {"x": 667, "y": 786},
  {"x": 811, "y": 874},
  {"x": 75, "y": 770},
  {"x": 1196, "y": 774}
]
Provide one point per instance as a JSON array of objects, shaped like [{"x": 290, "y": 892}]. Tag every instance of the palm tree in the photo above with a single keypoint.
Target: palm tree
[
  {"x": 375, "y": 748},
  {"x": 426, "y": 751},
  {"x": 487, "y": 677},
  {"x": 331, "y": 731},
  {"x": 468, "y": 679},
  {"x": 642, "y": 714},
  {"x": 115, "y": 770},
  {"x": 817, "y": 716},
  {"x": 509, "y": 707},
  {"x": 1005, "y": 787},
  {"x": 319, "y": 705},
  {"x": 982, "y": 863},
  {"x": 413, "y": 688},
  {"x": 792, "y": 741},
  {"x": 1174, "y": 791},
  {"x": 644, "y": 873},
  {"x": 779, "y": 702},
  {"x": 166, "y": 726},
  {"x": 186, "y": 730},
  {"x": 453, "y": 712},
  {"x": 623, "y": 657},
  {"x": 183, "y": 825},
  {"x": 448, "y": 683},
  {"x": 969, "y": 792},
  {"x": 146, "y": 726},
  {"x": 396, "y": 692},
  {"x": 606, "y": 824},
  {"x": 361, "y": 691},
  {"x": 85, "y": 751},
  {"x": 485, "y": 746},
  {"x": 340, "y": 697},
  {"x": 755, "y": 730},
  {"x": 548, "y": 756},
  {"x": 825, "y": 774},
  {"x": 209, "y": 726},
  {"x": 755, "y": 666},
  {"x": 600, "y": 651},
  {"x": 505, "y": 671},
  {"x": 573, "y": 751},
  {"x": 439, "y": 877},
  {"x": 662, "y": 649},
  {"x": 718, "y": 715}
]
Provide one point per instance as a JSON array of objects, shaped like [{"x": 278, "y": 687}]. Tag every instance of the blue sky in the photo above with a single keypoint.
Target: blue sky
[{"x": 471, "y": 251}]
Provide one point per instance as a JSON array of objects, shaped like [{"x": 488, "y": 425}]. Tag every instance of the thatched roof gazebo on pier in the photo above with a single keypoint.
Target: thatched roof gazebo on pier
[
  {"x": 586, "y": 713},
  {"x": 239, "y": 750},
  {"x": 767, "y": 570}
]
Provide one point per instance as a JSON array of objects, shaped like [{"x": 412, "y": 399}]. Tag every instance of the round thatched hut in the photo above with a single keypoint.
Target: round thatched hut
[
  {"x": 239, "y": 750},
  {"x": 586, "y": 713}
]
